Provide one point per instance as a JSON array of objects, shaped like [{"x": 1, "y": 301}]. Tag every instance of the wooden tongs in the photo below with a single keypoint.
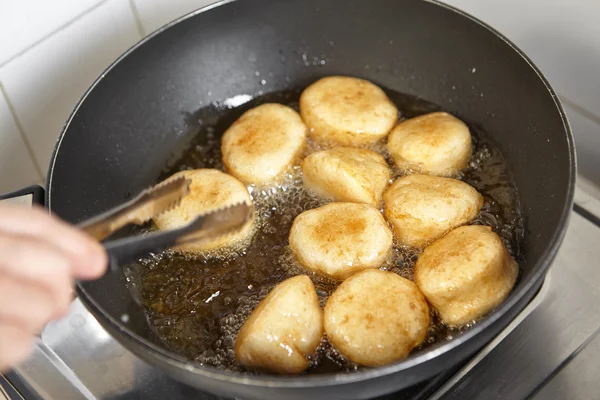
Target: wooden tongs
[{"x": 152, "y": 202}]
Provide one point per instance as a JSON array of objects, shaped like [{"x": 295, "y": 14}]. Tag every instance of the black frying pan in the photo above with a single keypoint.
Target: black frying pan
[{"x": 130, "y": 122}]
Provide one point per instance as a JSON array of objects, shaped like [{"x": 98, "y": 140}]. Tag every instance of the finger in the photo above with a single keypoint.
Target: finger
[
  {"x": 35, "y": 261},
  {"x": 15, "y": 345},
  {"x": 29, "y": 305},
  {"x": 87, "y": 255}
]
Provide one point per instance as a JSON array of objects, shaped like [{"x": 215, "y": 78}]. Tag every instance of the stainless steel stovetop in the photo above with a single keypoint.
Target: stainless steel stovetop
[{"x": 551, "y": 351}]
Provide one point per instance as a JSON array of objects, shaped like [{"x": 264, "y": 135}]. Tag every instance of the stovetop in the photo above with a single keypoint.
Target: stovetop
[{"x": 551, "y": 351}]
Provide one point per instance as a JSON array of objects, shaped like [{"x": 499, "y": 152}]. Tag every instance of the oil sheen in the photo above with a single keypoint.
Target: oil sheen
[{"x": 197, "y": 304}]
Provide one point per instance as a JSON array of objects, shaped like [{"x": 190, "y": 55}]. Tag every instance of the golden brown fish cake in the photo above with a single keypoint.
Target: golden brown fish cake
[
  {"x": 285, "y": 327},
  {"x": 210, "y": 189},
  {"x": 435, "y": 143},
  {"x": 376, "y": 317},
  {"x": 260, "y": 146},
  {"x": 340, "y": 239},
  {"x": 345, "y": 111},
  {"x": 347, "y": 174},
  {"x": 466, "y": 274},
  {"x": 421, "y": 208}
]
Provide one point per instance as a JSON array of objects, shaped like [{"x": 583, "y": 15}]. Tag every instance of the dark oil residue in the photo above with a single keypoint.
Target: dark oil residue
[{"x": 197, "y": 304}]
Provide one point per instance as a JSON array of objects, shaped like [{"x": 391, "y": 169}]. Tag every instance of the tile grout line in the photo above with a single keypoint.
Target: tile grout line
[
  {"x": 138, "y": 20},
  {"x": 28, "y": 146},
  {"x": 580, "y": 109},
  {"x": 55, "y": 31}
]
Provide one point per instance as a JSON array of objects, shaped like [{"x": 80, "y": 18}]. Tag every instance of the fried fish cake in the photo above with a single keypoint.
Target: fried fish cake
[
  {"x": 466, "y": 273},
  {"x": 210, "y": 189},
  {"x": 347, "y": 174},
  {"x": 285, "y": 327},
  {"x": 435, "y": 143},
  {"x": 346, "y": 111},
  {"x": 340, "y": 239},
  {"x": 260, "y": 146},
  {"x": 421, "y": 208},
  {"x": 376, "y": 317}
]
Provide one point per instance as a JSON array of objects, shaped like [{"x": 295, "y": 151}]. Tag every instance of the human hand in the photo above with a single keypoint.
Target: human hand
[{"x": 40, "y": 256}]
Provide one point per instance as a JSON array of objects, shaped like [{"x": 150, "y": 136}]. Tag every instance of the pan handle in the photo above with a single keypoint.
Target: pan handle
[{"x": 31, "y": 195}]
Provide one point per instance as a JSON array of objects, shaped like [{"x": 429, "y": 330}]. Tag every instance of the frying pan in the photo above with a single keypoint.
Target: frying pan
[{"x": 136, "y": 116}]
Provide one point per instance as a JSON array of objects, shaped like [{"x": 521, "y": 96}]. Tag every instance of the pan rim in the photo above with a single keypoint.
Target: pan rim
[{"x": 542, "y": 265}]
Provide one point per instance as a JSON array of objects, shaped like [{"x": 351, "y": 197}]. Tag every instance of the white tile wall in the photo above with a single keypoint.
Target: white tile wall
[
  {"x": 17, "y": 168},
  {"x": 51, "y": 51},
  {"x": 561, "y": 36},
  {"x": 45, "y": 83},
  {"x": 23, "y": 23},
  {"x": 156, "y": 13}
]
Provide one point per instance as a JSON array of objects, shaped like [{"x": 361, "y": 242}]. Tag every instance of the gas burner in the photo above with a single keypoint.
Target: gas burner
[{"x": 551, "y": 347}]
